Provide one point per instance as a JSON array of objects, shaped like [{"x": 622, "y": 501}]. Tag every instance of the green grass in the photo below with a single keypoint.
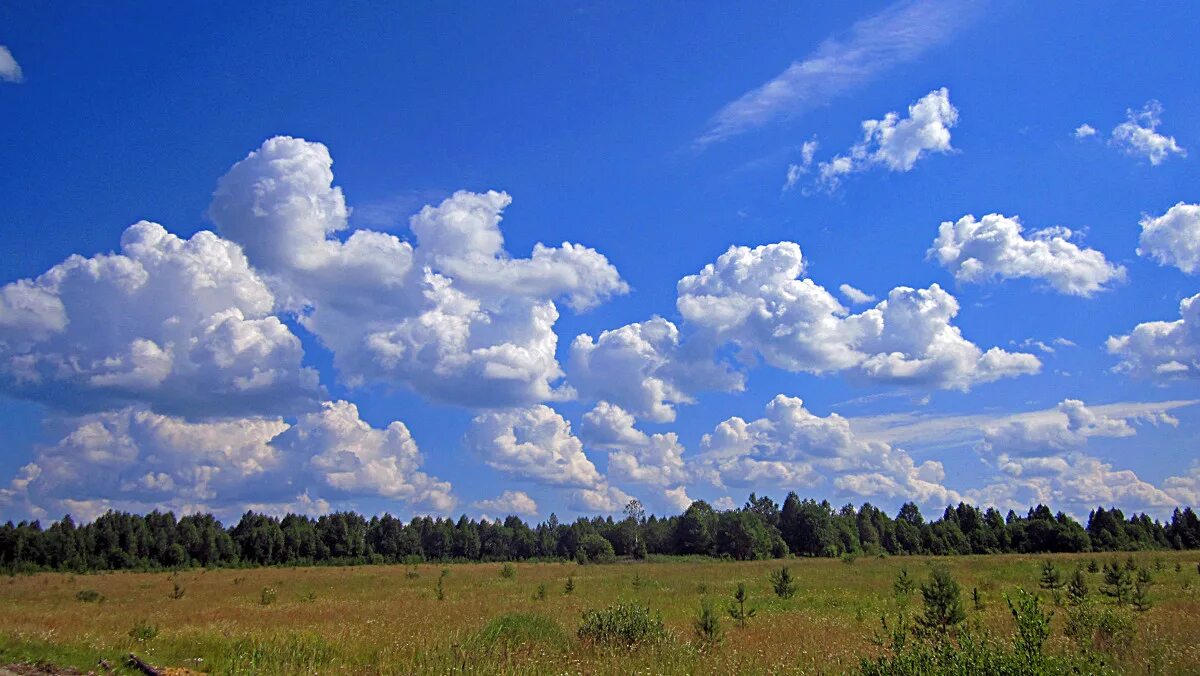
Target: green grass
[{"x": 380, "y": 619}]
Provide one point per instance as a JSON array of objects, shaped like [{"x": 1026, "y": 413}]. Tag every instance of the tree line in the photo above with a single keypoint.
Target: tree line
[{"x": 760, "y": 529}]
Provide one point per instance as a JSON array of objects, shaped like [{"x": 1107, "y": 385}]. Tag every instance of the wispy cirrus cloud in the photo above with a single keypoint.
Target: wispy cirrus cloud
[
  {"x": 900, "y": 33},
  {"x": 10, "y": 70}
]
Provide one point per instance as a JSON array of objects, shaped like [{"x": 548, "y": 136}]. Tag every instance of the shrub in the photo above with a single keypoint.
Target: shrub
[
  {"x": 143, "y": 631},
  {"x": 89, "y": 596},
  {"x": 267, "y": 596},
  {"x": 1093, "y": 567},
  {"x": 737, "y": 607},
  {"x": 783, "y": 583},
  {"x": 508, "y": 571},
  {"x": 540, "y": 594},
  {"x": 624, "y": 623},
  {"x": 1102, "y": 628},
  {"x": 707, "y": 625},
  {"x": 943, "y": 602},
  {"x": 976, "y": 599},
  {"x": 412, "y": 573},
  {"x": 1033, "y": 626},
  {"x": 597, "y": 549},
  {"x": 569, "y": 587},
  {"x": 178, "y": 592},
  {"x": 308, "y": 597}
]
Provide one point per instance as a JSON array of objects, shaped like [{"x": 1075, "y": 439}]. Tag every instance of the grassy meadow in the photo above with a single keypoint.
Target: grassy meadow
[{"x": 389, "y": 619}]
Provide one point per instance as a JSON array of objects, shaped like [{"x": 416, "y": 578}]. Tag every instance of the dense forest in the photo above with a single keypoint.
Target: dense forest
[{"x": 760, "y": 529}]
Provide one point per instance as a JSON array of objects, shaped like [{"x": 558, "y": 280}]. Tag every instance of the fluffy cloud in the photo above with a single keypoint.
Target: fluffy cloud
[
  {"x": 634, "y": 455},
  {"x": 509, "y": 502},
  {"x": 897, "y": 143},
  {"x": 1138, "y": 135},
  {"x": 604, "y": 499},
  {"x": 1075, "y": 481},
  {"x": 349, "y": 457},
  {"x": 1043, "y": 459},
  {"x": 646, "y": 369},
  {"x": 1084, "y": 131},
  {"x": 758, "y": 299},
  {"x": 856, "y": 296},
  {"x": 10, "y": 70},
  {"x": 1162, "y": 350},
  {"x": 790, "y": 446},
  {"x": 1173, "y": 238},
  {"x": 138, "y": 459},
  {"x": 533, "y": 444},
  {"x": 454, "y": 317},
  {"x": 995, "y": 248},
  {"x": 1065, "y": 432},
  {"x": 183, "y": 326},
  {"x": 678, "y": 498}
]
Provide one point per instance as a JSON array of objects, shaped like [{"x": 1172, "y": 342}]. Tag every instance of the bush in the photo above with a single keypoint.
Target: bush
[
  {"x": 737, "y": 607},
  {"x": 622, "y": 624},
  {"x": 143, "y": 631},
  {"x": 1100, "y": 628},
  {"x": 89, "y": 596},
  {"x": 508, "y": 571},
  {"x": 267, "y": 596},
  {"x": 178, "y": 592},
  {"x": 569, "y": 587},
  {"x": 596, "y": 549},
  {"x": 1033, "y": 625}
]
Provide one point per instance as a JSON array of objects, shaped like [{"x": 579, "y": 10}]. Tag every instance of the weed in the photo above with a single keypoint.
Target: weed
[
  {"x": 89, "y": 596},
  {"x": 267, "y": 596},
  {"x": 627, "y": 624}
]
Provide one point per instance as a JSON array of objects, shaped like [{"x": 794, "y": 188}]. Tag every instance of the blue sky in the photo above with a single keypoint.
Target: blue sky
[{"x": 263, "y": 365}]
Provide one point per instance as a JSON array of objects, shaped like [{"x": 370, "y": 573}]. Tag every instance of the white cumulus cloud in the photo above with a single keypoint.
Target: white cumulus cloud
[
  {"x": 759, "y": 300},
  {"x": 509, "y": 502},
  {"x": 1173, "y": 238},
  {"x": 1162, "y": 350},
  {"x": 790, "y": 446},
  {"x": 184, "y": 326},
  {"x": 136, "y": 459},
  {"x": 1138, "y": 135},
  {"x": 897, "y": 143},
  {"x": 455, "y": 317},
  {"x": 646, "y": 368},
  {"x": 995, "y": 247},
  {"x": 533, "y": 444}
]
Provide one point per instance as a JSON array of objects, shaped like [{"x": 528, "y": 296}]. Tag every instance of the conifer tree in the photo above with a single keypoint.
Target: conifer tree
[
  {"x": 783, "y": 583},
  {"x": 943, "y": 602}
]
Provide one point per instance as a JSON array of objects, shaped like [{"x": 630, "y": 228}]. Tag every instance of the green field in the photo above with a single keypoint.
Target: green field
[{"x": 388, "y": 619}]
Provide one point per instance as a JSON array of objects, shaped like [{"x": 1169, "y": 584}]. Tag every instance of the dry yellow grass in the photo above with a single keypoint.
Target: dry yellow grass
[{"x": 379, "y": 619}]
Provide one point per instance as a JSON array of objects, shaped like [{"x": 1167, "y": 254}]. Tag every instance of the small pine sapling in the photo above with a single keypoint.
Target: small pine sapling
[
  {"x": 569, "y": 587},
  {"x": 1077, "y": 588},
  {"x": 707, "y": 625},
  {"x": 737, "y": 607},
  {"x": 783, "y": 583}
]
